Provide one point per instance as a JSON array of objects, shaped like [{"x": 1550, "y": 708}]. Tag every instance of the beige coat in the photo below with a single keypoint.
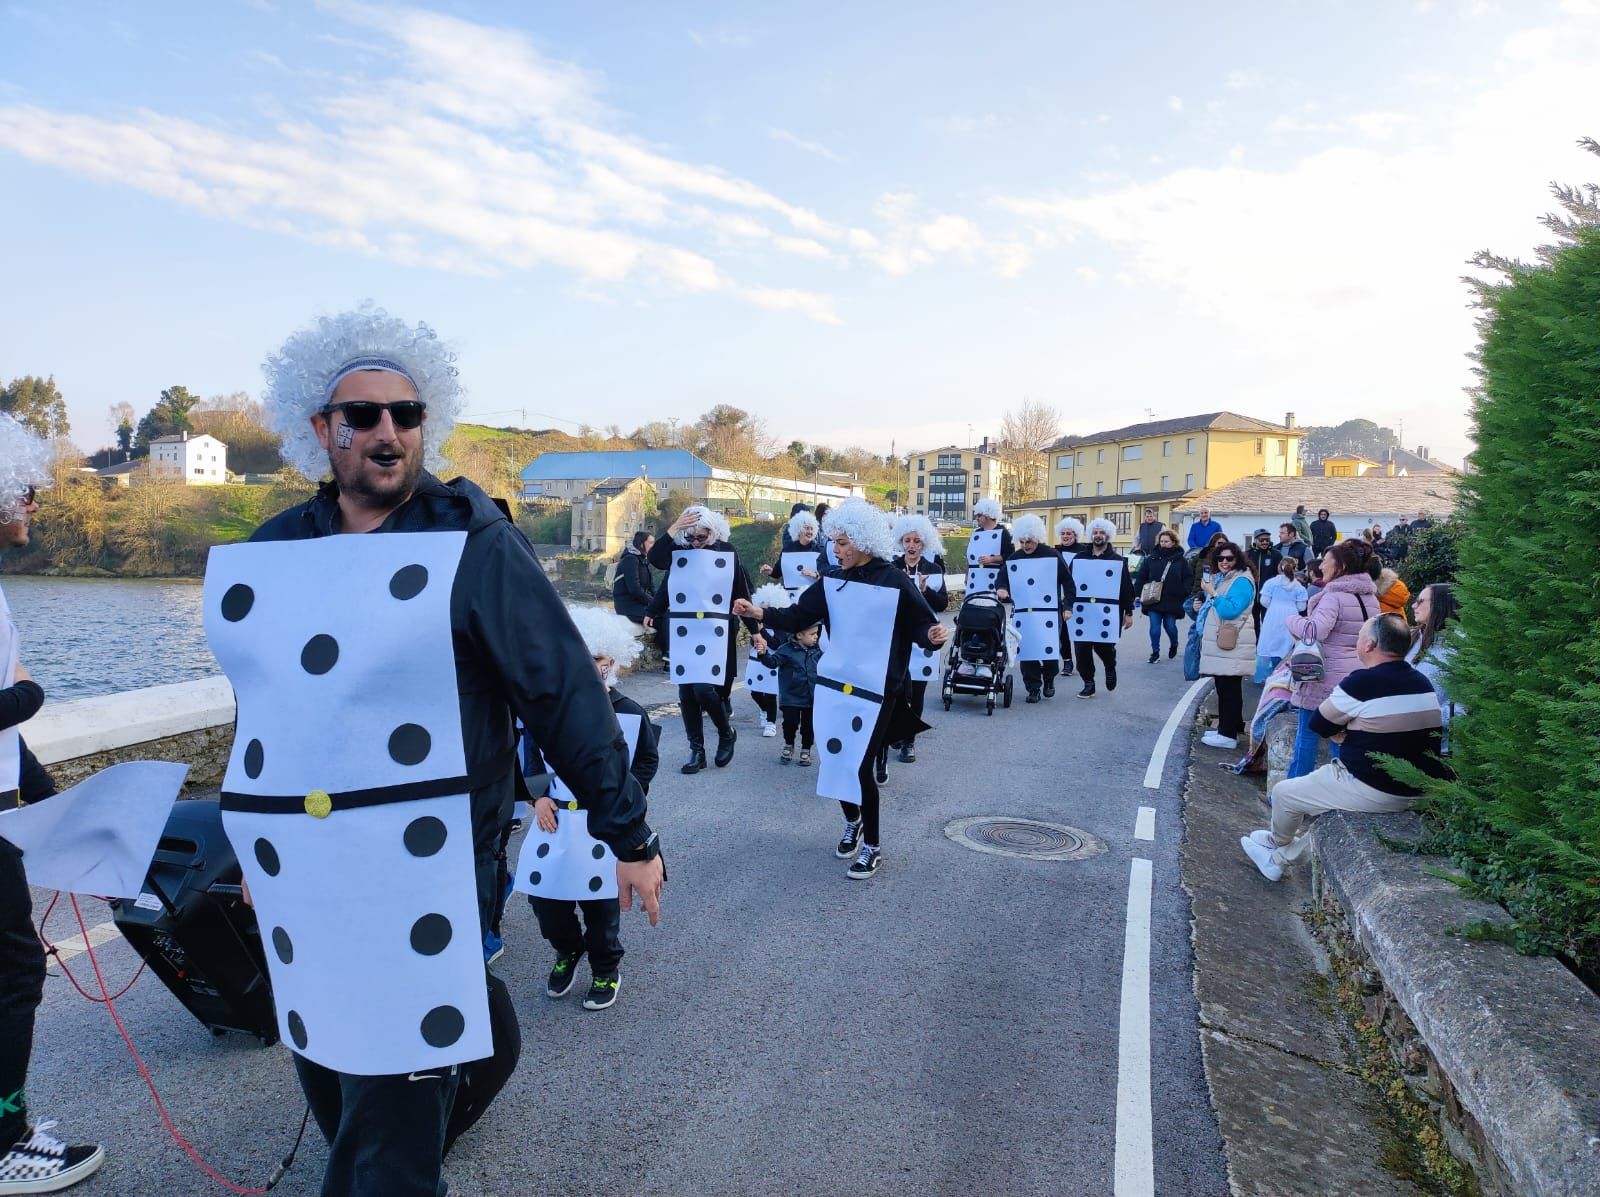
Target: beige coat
[{"x": 1240, "y": 660}]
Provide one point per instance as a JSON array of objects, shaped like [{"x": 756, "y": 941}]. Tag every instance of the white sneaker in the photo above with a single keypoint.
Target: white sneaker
[
  {"x": 42, "y": 1163},
  {"x": 768, "y": 730},
  {"x": 1263, "y": 836},
  {"x": 1262, "y": 856},
  {"x": 1216, "y": 739}
]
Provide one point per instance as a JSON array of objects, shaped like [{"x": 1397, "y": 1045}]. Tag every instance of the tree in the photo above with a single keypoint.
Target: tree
[
  {"x": 1361, "y": 437},
  {"x": 168, "y": 417},
  {"x": 147, "y": 532},
  {"x": 1025, "y": 433},
  {"x": 122, "y": 417},
  {"x": 236, "y": 420},
  {"x": 36, "y": 403}
]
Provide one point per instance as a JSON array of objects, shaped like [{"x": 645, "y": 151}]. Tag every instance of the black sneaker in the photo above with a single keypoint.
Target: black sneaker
[
  {"x": 882, "y": 768},
  {"x": 602, "y": 992},
  {"x": 849, "y": 841},
  {"x": 1111, "y": 678},
  {"x": 1033, "y": 696},
  {"x": 788, "y": 755},
  {"x": 866, "y": 863},
  {"x": 563, "y": 975},
  {"x": 908, "y": 755},
  {"x": 1172, "y": 651},
  {"x": 1050, "y": 687},
  {"x": 805, "y": 758},
  {"x": 42, "y": 1163},
  {"x": 1087, "y": 691}
]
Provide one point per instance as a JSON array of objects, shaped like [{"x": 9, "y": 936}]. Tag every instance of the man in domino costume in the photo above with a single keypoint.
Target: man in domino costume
[
  {"x": 1070, "y": 538},
  {"x": 987, "y": 548},
  {"x": 1036, "y": 584},
  {"x": 874, "y": 614},
  {"x": 920, "y": 556},
  {"x": 374, "y": 767},
  {"x": 1102, "y": 606}
]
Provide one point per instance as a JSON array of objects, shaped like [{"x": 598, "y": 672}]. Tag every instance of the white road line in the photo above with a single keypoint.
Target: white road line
[
  {"x": 1144, "y": 827},
  {"x": 1158, "y": 758},
  {"x": 1134, "y": 1174},
  {"x": 73, "y": 945}
]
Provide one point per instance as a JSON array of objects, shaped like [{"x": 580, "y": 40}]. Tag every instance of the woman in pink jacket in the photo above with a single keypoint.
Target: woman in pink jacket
[{"x": 1333, "y": 619}]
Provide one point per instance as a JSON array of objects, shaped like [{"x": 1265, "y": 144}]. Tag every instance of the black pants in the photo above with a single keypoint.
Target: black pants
[
  {"x": 797, "y": 718},
  {"x": 698, "y": 701},
  {"x": 915, "y": 700},
  {"x": 1036, "y": 673},
  {"x": 867, "y": 810},
  {"x": 1230, "y": 705},
  {"x": 1085, "y": 651},
  {"x": 768, "y": 704},
  {"x": 599, "y": 936},
  {"x": 21, "y": 990}
]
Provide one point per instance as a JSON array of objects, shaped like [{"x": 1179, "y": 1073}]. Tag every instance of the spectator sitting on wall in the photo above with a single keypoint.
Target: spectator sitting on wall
[
  {"x": 1434, "y": 644},
  {"x": 1393, "y": 594},
  {"x": 634, "y": 585},
  {"x": 1323, "y": 534},
  {"x": 1202, "y": 530},
  {"x": 1384, "y": 709}
]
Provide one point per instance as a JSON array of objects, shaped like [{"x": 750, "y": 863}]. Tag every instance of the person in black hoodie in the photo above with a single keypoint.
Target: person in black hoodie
[
  {"x": 1071, "y": 540},
  {"x": 354, "y": 393},
  {"x": 701, "y": 529},
  {"x": 1323, "y": 534},
  {"x": 921, "y": 558},
  {"x": 1038, "y": 676},
  {"x": 1166, "y": 565},
  {"x": 1085, "y": 652},
  {"x": 860, "y": 536},
  {"x": 634, "y": 585}
]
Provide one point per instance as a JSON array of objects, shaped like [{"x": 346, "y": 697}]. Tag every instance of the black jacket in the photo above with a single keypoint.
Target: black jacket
[
  {"x": 661, "y": 554},
  {"x": 1323, "y": 534},
  {"x": 646, "y": 760},
  {"x": 1125, "y": 601},
  {"x": 18, "y": 704},
  {"x": 1264, "y": 563},
  {"x": 1145, "y": 538},
  {"x": 634, "y": 585},
  {"x": 937, "y": 600},
  {"x": 1179, "y": 577},
  {"x": 1068, "y": 552},
  {"x": 1063, "y": 578},
  {"x": 517, "y": 655},
  {"x": 797, "y": 671}
]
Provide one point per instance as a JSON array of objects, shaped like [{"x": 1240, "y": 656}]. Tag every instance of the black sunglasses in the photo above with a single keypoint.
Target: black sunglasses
[
  {"x": 362, "y": 415},
  {"x": 1227, "y": 557},
  {"x": 29, "y": 494}
]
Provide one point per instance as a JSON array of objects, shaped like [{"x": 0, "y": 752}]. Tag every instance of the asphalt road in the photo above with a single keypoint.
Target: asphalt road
[{"x": 953, "y": 1026}]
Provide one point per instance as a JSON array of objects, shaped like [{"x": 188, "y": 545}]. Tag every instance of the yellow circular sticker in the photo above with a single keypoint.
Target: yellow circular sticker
[
  {"x": 849, "y": 689},
  {"x": 318, "y": 804},
  {"x": 572, "y": 804}
]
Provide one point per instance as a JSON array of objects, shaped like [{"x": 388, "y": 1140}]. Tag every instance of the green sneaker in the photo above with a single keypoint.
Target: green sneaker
[
  {"x": 602, "y": 992},
  {"x": 563, "y": 975}
]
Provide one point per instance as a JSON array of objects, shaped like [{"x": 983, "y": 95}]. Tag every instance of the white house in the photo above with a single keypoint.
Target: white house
[
  {"x": 196, "y": 460},
  {"x": 1353, "y": 502}
]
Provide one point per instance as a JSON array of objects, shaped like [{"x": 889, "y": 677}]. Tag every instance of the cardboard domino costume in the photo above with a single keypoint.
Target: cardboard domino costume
[
  {"x": 851, "y": 679},
  {"x": 1035, "y": 606},
  {"x": 792, "y": 562},
  {"x": 983, "y": 578},
  {"x": 1096, "y": 598},
  {"x": 699, "y": 601},
  {"x": 570, "y": 864},
  {"x": 347, "y": 795},
  {"x": 758, "y": 679}
]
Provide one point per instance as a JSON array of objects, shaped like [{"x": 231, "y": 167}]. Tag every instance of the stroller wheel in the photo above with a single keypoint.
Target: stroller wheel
[
  {"x": 947, "y": 704},
  {"x": 989, "y": 705},
  {"x": 1008, "y": 692}
]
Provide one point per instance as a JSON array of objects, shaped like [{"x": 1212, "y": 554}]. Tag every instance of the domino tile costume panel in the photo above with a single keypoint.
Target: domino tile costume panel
[
  {"x": 1035, "y": 607},
  {"x": 1097, "y": 593},
  {"x": 699, "y": 599}
]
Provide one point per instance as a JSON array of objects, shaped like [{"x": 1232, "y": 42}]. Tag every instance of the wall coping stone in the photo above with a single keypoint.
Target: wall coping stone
[
  {"x": 80, "y": 727},
  {"x": 1517, "y": 1036}
]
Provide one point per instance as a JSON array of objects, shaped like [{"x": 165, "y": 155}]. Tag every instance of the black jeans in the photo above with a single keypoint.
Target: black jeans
[
  {"x": 867, "y": 810},
  {"x": 1230, "y": 705},
  {"x": 21, "y": 990},
  {"x": 1086, "y": 651},
  {"x": 698, "y": 701},
  {"x": 769, "y": 706},
  {"x": 1036, "y": 673},
  {"x": 797, "y": 718},
  {"x": 599, "y": 936}
]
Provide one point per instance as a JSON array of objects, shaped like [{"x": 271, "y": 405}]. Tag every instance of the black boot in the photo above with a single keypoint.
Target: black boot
[
  {"x": 1087, "y": 691},
  {"x": 1049, "y": 687},
  {"x": 697, "y": 757},
  {"x": 725, "y": 739},
  {"x": 908, "y": 752},
  {"x": 1033, "y": 696},
  {"x": 1154, "y": 657},
  {"x": 1111, "y": 677}
]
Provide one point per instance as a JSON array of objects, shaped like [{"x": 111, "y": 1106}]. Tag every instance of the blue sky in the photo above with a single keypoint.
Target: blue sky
[{"x": 865, "y": 223}]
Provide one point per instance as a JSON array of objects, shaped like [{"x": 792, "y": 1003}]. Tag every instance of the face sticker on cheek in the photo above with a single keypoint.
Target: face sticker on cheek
[{"x": 345, "y": 436}]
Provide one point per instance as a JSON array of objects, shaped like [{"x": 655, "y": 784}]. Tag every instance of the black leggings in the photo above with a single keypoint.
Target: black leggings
[
  {"x": 21, "y": 989},
  {"x": 1230, "y": 705},
  {"x": 1036, "y": 673},
  {"x": 768, "y": 704},
  {"x": 696, "y": 702},
  {"x": 867, "y": 810},
  {"x": 797, "y": 718}
]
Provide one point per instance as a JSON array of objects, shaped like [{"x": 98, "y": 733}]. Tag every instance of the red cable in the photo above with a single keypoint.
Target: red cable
[
  {"x": 166, "y": 1120},
  {"x": 52, "y": 950}
]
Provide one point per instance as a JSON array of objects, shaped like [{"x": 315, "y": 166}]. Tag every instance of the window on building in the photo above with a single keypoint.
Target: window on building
[
  {"x": 949, "y": 461},
  {"x": 1132, "y": 486},
  {"x": 1100, "y": 456},
  {"x": 1099, "y": 488},
  {"x": 920, "y": 482},
  {"x": 1132, "y": 452},
  {"x": 1078, "y": 493},
  {"x": 1188, "y": 482},
  {"x": 1259, "y": 444},
  {"x": 1080, "y": 458},
  {"x": 1283, "y": 448},
  {"x": 1166, "y": 482},
  {"x": 1063, "y": 492},
  {"x": 200, "y": 470},
  {"x": 1122, "y": 519},
  {"x": 922, "y": 463},
  {"x": 1166, "y": 448},
  {"x": 1189, "y": 445},
  {"x": 1064, "y": 462},
  {"x": 977, "y": 462}
]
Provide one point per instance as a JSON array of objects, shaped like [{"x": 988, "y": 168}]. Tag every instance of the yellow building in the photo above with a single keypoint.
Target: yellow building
[
  {"x": 605, "y": 519},
  {"x": 1119, "y": 473},
  {"x": 1347, "y": 465},
  {"x": 944, "y": 483}
]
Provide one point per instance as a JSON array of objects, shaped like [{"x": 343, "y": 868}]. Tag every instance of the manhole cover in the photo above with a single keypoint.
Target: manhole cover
[{"x": 1028, "y": 839}]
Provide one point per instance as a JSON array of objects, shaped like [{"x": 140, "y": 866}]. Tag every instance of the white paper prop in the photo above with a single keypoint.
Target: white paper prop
[
  {"x": 100, "y": 836},
  {"x": 1096, "y": 599},
  {"x": 850, "y": 681},
  {"x": 981, "y": 578},
  {"x": 699, "y": 595},
  {"x": 792, "y": 563},
  {"x": 1035, "y": 611},
  {"x": 924, "y": 665},
  {"x": 347, "y": 797},
  {"x": 11, "y": 737},
  {"x": 569, "y": 864},
  {"x": 758, "y": 679}
]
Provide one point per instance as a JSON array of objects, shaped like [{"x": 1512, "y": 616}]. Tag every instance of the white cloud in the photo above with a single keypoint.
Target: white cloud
[
  {"x": 1088, "y": 274},
  {"x": 910, "y": 237},
  {"x": 1242, "y": 80},
  {"x": 801, "y": 143},
  {"x": 1174, "y": 103},
  {"x": 808, "y": 303}
]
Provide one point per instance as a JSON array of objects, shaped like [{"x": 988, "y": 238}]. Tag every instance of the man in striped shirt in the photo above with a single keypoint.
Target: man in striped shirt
[{"x": 1384, "y": 709}]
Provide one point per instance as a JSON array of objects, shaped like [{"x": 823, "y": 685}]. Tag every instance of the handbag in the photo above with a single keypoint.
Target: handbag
[
  {"x": 1150, "y": 592},
  {"x": 1228, "y": 629},
  {"x": 1306, "y": 660}
]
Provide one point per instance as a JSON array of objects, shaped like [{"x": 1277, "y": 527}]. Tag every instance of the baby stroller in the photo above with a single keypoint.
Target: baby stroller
[{"x": 978, "y": 661}]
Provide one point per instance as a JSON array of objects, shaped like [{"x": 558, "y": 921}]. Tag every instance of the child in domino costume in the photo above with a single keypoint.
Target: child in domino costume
[
  {"x": 760, "y": 677},
  {"x": 347, "y": 791}
]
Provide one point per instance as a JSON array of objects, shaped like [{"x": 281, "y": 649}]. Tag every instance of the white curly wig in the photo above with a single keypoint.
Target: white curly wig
[
  {"x": 988, "y": 507},
  {"x": 1028, "y": 527},
  {"x": 932, "y": 542},
  {"x": 301, "y": 374},
  {"x": 703, "y": 517},
  {"x": 24, "y": 461},
  {"x": 770, "y": 595},
  {"x": 863, "y": 524},
  {"x": 799, "y": 522},
  {"x": 1070, "y": 525},
  {"x": 607, "y": 634},
  {"x": 1105, "y": 526}
]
